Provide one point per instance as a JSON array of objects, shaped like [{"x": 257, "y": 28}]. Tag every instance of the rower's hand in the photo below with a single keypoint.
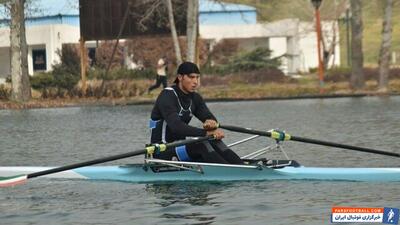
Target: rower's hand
[
  {"x": 217, "y": 133},
  {"x": 210, "y": 125}
]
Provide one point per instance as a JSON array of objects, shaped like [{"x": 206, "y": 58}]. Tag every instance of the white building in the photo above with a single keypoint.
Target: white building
[
  {"x": 290, "y": 37},
  {"x": 60, "y": 24},
  {"x": 43, "y": 42}
]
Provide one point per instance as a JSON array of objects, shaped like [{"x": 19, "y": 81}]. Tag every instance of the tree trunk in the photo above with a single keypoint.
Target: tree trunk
[
  {"x": 21, "y": 90},
  {"x": 191, "y": 29},
  {"x": 24, "y": 56},
  {"x": 357, "y": 76},
  {"x": 173, "y": 32},
  {"x": 384, "y": 54}
]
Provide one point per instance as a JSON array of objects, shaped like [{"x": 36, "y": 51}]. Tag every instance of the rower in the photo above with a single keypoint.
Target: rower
[{"x": 170, "y": 117}]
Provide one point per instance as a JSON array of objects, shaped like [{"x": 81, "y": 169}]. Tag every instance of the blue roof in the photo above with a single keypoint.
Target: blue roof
[
  {"x": 44, "y": 8},
  {"x": 55, "y": 7},
  {"x": 67, "y": 12},
  {"x": 214, "y": 6},
  {"x": 71, "y": 7}
]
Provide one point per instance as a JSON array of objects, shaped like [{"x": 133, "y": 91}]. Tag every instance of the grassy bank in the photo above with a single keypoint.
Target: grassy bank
[{"x": 220, "y": 88}]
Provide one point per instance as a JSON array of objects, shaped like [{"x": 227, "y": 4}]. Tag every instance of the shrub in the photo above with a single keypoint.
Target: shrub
[
  {"x": 67, "y": 73},
  {"x": 223, "y": 51},
  {"x": 122, "y": 73},
  {"x": 265, "y": 75},
  {"x": 257, "y": 59},
  {"x": 41, "y": 81},
  {"x": 5, "y": 92},
  {"x": 70, "y": 59},
  {"x": 104, "y": 53},
  {"x": 344, "y": 73},
  {"x": 64, "y": 75},
  {"x": 338, "y": 74},
  {"x": 395, "y": 73},
  {"x": 251, "y": 77}
]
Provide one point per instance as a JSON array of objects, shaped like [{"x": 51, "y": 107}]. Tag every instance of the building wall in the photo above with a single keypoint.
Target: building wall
[
  {"x": 308, "y": 43},
  {"x": 253, "y": 43},
  {"x": 290, "y": 37},
  {"x": 47, "y": 37},
  {"x": 282, "y": 28},
  {"x": 278, "y": 45}
]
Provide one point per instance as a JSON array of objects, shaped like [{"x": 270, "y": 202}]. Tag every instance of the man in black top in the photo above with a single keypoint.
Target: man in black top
[{"x": 172, "y": 112}]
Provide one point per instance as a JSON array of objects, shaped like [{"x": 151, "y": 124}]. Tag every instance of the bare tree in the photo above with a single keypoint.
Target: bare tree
[
  {"x": 384, "y": 54},
  {"x": 328, "y": 46},
  {"x": 191, "y": 31},
  {"x": 166, "y": 13},
  {"x": 21, "y": 90},
  {"x": 332, "y": 11},
  {"x": 173, "y": 32},
  {"x": 357, "y": 80}
]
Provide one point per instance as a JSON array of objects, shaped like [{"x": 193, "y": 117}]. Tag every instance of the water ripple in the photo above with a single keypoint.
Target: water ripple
[{"x": 49, "y": 137}]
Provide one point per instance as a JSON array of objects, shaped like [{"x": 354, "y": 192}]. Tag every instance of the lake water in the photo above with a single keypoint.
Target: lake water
[{"x": 60, "y": 136}]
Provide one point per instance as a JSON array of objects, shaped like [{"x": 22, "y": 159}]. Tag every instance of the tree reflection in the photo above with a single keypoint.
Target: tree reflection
[
  {"x": 177, "y": 196},
  {"x": 195, "y": 194}
]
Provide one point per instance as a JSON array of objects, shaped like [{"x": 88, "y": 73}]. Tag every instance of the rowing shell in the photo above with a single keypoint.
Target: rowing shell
[{"x": 170, "y": 171}]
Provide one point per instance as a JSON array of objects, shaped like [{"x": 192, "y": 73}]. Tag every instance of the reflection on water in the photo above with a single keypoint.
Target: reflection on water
[
  {"x": 175, "y": 196},
  {"x": 186, "y": 193},
  {"x": 203, "y": 219}
]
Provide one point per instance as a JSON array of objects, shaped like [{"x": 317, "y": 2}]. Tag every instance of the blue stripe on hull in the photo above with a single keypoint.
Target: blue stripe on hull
[{"x": 136, "y": 173}]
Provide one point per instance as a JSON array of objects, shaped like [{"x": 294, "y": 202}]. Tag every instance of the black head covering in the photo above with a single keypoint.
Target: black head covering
[{"x": 187, "y": 68}]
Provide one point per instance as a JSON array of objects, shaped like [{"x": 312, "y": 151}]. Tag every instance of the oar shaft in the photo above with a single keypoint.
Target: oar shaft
[
  {"x": 114, "y": 157},
  {"x": 310, "y": 141},
  {"x": 338, "y": 145},
  {"x": 87, "y": 163}
]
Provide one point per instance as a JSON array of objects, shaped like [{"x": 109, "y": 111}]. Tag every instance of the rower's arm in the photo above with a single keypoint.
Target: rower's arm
[{"x": 202, "y": 112}]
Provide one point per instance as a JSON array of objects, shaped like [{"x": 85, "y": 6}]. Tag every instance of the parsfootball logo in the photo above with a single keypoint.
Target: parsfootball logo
[{"x": 384, "y": 215}]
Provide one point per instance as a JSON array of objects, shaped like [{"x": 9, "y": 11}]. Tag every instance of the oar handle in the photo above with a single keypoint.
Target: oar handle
[
  {"x": 245, "y": 130},
  {"x": 310, "y": 141},
  {"x": 275, "y": 134},
  {"x": 116, "y": 157}
]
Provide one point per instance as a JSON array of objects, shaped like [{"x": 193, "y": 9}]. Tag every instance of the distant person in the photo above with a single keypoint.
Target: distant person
[
  {"x": 161, "y": 75},
  {"x": 129, "y": 63}
]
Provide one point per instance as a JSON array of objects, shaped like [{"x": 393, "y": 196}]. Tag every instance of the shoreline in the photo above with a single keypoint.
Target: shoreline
[
  {"x": 88, "y": 102},
  {"x": 134, "y": 92}
]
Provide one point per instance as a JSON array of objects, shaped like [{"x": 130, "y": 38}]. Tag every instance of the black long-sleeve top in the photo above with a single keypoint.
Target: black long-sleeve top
[{"x": 168, "y": 110}]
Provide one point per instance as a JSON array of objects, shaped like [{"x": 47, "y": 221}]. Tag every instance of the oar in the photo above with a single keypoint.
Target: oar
[
  {"x": 281, "y": 136},
  {"x": 14, "y": 180}
]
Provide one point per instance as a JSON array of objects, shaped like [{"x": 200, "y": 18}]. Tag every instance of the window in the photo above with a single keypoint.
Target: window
[
  {"x": 92, "y": 56},
  {"x": 39, "y": 59}
]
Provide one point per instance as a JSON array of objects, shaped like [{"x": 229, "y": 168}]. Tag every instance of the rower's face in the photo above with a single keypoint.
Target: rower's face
[{"x": 189, "y": 83}]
